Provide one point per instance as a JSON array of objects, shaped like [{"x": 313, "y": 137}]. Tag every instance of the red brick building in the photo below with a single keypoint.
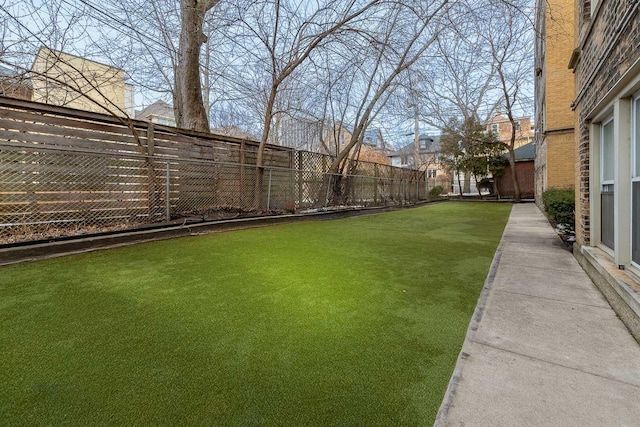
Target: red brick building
[
  {"x": 606, "y": 63},
  {"x": 525, "y": 171}
]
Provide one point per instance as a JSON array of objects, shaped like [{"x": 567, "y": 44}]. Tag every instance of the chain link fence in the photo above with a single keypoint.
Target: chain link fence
[{"x": 50, "y": 192}]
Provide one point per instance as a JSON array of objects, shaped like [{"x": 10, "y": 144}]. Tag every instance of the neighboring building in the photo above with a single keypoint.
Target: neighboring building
[
  {"x": 298, "y": 131},
  {"x": 525, "y": 171},
  {"x": 429, "y": 152},
  {"x": 235, "y": 132},
  {"x": 373, "y": 138},
  {"x": 62, "y": 79},
  {"x": 500, "y": 126},
  {"x": 15, "y": 85},
  {"x": 373, "y": 147},
  {"x": 159, "y": 112},
  {"x": 606, "y": 63},
  {"x": 554, "y": 81}
]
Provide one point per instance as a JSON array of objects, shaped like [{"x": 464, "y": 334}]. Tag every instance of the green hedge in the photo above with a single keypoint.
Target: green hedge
[
  {"x": 436, "y": 191},
  {"x": 560, "y": 205}
]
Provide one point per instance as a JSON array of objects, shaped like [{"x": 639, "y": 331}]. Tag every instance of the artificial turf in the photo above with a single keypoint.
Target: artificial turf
[{"x": 356, "y": 321}]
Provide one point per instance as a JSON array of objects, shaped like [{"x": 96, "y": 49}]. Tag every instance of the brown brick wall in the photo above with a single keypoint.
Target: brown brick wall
[
  {"x": 597, "y": 71},
  {"x": 526, "y": 180}
]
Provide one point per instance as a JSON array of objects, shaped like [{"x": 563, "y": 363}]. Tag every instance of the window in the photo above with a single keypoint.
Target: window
[
  {"x": 636, "y": 137},
  {"x": 607, "y": 182},
  {"x": 431, "y": 173},
  {"x": 615, "y": 174},
  {"x": 494, "y": 128},
  {"x": 404, "y": 159},
  {"x": 517, "y": 126},
  {"x": 635, "y": 181}
]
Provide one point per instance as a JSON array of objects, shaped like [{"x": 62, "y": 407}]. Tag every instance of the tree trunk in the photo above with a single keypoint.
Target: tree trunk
[
  {"x": 337, "y": 168},
  {"x": 514, "y": 176},
  {"x": 467, "y": 183},
  {"x": 512, "y": 157},
  {"x": 268, "y": 114},
  {"x": 478, "y": 186},
  {"x": 188, "y": 104}
]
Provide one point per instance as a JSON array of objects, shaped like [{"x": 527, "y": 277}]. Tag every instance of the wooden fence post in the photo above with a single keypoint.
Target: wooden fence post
[
  {"x": 292, "y": 182},
  {"x": 300, "y": 175},
  {"x": 375, "y": 185},
  {"x": 152, "y": 185},
  {"x": 241, "y": 189}
]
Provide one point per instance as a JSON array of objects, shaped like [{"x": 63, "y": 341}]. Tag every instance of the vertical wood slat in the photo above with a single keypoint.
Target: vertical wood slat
[
  {"x": 300, "y": 176},
  {"x": 150, "y": 139},
  {"x": 153, "y": 190}
]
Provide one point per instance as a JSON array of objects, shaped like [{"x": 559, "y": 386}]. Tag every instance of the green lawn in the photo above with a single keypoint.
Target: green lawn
[{"x": 346, "y": 322}]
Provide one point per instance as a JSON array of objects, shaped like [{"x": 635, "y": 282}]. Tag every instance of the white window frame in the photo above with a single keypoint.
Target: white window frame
[
  {"x": 617, "y": 101},
  {"x": 602, "y": 125},
  {"x": 602, "y": 182},
  {"x": 635, "y": 168}
]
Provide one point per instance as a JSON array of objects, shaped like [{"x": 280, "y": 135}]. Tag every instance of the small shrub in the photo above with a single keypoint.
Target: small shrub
[
  {"x": 560, "y": 205},
  {"x": 436, "y": 191},
  {"x": 290, "y": 206}
]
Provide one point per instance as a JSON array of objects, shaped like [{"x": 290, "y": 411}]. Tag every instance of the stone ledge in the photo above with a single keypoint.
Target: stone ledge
[{"x": 621, "y": 288}]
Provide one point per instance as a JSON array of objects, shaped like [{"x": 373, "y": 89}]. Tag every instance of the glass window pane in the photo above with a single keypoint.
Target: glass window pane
[
  {"x": 636, "y": 137},
  {"x": 635, "y": 233},
  {"x": 607, "y": 232},
  {"x": 607, "y": 152}
]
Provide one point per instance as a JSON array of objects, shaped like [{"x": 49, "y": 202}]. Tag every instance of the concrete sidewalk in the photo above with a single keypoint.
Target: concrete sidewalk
[{"x": 544, "y": 348}]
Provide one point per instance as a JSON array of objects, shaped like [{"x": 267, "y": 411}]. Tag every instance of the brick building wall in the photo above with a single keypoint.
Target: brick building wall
[
  {"x": 554, "y": 118},
  {"x": 540, "y": 167},
  {"x": 561, "y": 159},
  {"x": 524, "y": 134},
  {"x": 525, "y": 171},
  {"x": 609, "y": 44}
]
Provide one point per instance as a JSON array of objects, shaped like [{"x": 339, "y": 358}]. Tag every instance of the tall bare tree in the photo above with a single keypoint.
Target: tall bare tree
[
  {"x": 387, "y": 51},
  {"x": 482, "y": 65},
  {"x": 281, "y": 36},
  {"x": 459, "y": 79},
  {"x": 508, "y": 35},
  {"x": 188, "y": 104}
]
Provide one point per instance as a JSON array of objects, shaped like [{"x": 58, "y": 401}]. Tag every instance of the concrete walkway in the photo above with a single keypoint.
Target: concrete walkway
[{"x": 544, "y": 348}]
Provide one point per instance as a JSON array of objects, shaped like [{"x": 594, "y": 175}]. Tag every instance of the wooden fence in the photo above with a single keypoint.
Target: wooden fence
[{"x": 62, "y": 168}]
